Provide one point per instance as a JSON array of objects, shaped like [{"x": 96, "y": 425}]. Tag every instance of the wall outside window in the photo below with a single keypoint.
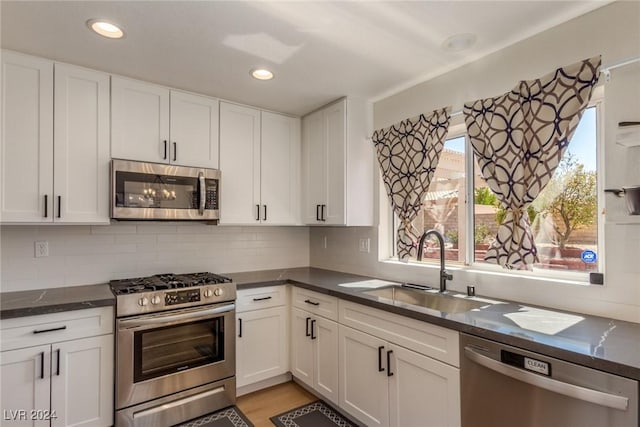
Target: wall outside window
[{"x": 612, "y": 31}]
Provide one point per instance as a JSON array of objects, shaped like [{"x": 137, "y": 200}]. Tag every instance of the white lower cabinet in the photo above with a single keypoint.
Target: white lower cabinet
[
  {"x": 262, "y": 339},
  {"x": 314, "y": 352},
  {"x": 67, "y": 381},
  {"x": 26, "y": 384},
  {"x": 364, "y": 389},
  {"x": 82, "y": 382},
  {"x": 422, "y": 391},
  {"x": 386, "y": 384}
]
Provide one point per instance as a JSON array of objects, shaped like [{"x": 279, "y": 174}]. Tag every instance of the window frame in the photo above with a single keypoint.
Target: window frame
[{"x": 458, "y": 129}]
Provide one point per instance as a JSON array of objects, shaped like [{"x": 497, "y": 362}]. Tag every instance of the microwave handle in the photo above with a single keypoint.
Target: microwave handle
[{"x": 203, "y": 193}]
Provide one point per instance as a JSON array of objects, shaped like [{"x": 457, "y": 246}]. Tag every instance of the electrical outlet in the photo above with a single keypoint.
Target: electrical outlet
[
  {"x": 41, "y": 249},
  {"x": 365, "y": 245}
]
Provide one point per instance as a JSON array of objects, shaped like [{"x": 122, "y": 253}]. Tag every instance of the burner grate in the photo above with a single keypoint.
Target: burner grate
[{"x": 165, "y": 281}]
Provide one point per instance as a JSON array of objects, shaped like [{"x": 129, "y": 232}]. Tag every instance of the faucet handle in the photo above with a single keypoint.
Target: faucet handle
[{"x": 446, "y": 275}]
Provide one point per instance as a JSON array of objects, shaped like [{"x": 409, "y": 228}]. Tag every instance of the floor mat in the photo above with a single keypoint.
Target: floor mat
[
  {"x": 229, "y": 417},
  {"x": 315, "y": 414}
]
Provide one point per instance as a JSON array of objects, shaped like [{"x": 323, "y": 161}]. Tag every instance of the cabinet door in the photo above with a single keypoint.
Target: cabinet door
[
  {"x": 422, "y": 391},
  {"x": 302, "y": 348},
  {"x": 82, "y": 382},
  {"x": 280, "y": 169},
  {"x": 336, "y": 139},
  {"x": 81, "y": 174},
  {"x": 313, "y": 167},
  {"x": 263, "y": 346},
  {"x": 194, "y": 130},
  {"x": 139, "y": 121},
  {"x": 26, "y": 169},
  {"x": 240, "y": 165},
  {"x": 25, "y": 385},
  {"x": 326, "y": 358},
  {"x": 364, "y": 391}
]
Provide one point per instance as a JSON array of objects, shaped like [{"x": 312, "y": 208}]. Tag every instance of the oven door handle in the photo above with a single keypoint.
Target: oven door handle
[
  {"x": 166, "y": 319},
  {"x": 177, "y": 403}
]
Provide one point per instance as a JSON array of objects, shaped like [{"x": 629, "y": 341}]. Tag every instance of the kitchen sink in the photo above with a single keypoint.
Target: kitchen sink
[{"x": 432, "y": 299}]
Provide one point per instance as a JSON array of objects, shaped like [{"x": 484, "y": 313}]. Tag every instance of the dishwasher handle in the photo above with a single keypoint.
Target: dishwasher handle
[{"x": 577, "y": 392}]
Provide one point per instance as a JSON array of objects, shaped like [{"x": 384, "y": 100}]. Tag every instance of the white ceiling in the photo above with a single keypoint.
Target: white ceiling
[{"x": 318, "y": 50}]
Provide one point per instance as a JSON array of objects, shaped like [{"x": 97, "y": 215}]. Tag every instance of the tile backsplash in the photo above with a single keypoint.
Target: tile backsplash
[{"x": 80, "y": 255}]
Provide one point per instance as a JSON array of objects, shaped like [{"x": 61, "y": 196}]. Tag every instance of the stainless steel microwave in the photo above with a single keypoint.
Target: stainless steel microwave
[{"x": 156, "y": 191}]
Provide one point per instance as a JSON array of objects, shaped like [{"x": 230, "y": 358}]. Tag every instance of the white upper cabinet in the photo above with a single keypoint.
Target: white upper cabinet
[
  {"x": 314, "y": 166},
  {"x": 155, "y": 124},
  {"x": 239, "y": 164},
  {"x": 260, "y": 165},
  {"x": 338, "y": 165},
  {"x": 81, "y": 145},
  {"x": 334, "y": 124},
  {"x": 26, "y": 173},
  {"x": 59, "y": 176},
  {"x": 139, "y": 121},
  {"x": 280, "y": 169},
  {"x": 194, "y": 130}
]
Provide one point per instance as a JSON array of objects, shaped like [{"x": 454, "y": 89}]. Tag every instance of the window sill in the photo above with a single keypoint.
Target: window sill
[{"x": 559, "y": 277}]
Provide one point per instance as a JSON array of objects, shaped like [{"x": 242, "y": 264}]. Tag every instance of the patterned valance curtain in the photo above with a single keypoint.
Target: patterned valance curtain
[
  {"x": 519, "y": 139},
  {"x": 408, "y": 153}
]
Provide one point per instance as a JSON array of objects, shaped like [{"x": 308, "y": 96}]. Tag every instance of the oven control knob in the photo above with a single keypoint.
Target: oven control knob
[
  {"x": 208, "y": 293},
  {"x": 156, "y": 300},
  {"x": 143, "y": 301},
  {"x": 218, "y": 292}
]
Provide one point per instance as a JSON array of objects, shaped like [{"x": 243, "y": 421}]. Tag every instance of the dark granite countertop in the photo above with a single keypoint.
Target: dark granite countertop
[
  {"x": 54, "y": 300},
  {"x": 605, "y": 344}
]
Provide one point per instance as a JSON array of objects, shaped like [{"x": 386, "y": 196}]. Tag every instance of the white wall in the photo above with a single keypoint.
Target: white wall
[
  {"x": 82, "y": 255},
  {"x": 614, "y": 32}
]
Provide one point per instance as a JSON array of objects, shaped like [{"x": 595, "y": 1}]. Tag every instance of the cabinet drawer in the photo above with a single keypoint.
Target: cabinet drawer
[
  {"x": 424, "y": 338},
  {"x": 30, "y": 331},
  {"x": 316, "y": 303},
  {"x": 257, "y": 298}
]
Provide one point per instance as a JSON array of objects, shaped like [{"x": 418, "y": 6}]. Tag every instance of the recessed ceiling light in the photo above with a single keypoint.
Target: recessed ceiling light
[
  {"x": 459, "y": 42},
  {"x": 105, "y": 28},
  {"x": 261, "y": 74}
]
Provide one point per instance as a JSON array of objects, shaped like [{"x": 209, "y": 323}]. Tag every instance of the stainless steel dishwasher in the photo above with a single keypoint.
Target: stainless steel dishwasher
[{"x": 508, "y": 386}]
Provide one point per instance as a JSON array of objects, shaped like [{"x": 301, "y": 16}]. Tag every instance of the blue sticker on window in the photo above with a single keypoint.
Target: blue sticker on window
[{"x": 589, "y": 256}]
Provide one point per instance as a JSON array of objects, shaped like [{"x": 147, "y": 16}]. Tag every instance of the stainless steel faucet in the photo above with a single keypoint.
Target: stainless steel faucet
[{"x": 444, "y": 276}]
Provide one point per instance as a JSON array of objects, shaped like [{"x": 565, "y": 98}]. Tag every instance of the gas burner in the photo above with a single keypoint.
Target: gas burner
[
  {"x": 206, "y": 278},
  {"x": 161, "y": 282},
  {"x": 167, "y": 277}
]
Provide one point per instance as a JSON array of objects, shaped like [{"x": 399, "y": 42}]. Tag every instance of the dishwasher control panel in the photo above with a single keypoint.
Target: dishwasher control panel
[{"x": 523, "y": 362}]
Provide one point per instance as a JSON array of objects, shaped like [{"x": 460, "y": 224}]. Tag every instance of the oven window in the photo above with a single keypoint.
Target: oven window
[{"x": 171, "y": 349}]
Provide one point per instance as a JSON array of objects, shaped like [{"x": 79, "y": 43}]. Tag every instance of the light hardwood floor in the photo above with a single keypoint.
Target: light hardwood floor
[{"x": 263, "y": 404}]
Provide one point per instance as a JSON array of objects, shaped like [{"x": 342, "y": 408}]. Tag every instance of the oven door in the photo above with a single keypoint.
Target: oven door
[{"x": 161, "y": 354}]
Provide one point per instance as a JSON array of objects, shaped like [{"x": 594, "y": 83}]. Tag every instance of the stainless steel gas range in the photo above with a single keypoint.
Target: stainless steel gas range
[{"x": 175, "y": 348}]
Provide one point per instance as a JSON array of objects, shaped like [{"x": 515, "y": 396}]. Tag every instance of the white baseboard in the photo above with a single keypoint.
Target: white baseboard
[{"x": 250, "y": 388}]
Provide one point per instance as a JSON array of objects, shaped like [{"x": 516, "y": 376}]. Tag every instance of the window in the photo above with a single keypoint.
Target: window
[
  {"x": 443, "y": 207},
  {"x": 564, "y": 217}
]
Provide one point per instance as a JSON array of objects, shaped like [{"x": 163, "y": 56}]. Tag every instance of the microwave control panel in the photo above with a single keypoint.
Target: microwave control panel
[{"x": 182, "y": 297}]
